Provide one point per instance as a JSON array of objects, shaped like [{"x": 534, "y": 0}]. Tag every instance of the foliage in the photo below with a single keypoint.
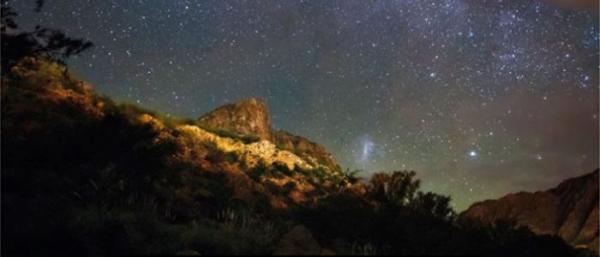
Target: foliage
[
  {"x": 283, "y": 168},
  {"x": 433, "y": 204},
  {"x": 351, "y": 175},
  {"x": 218, "y": 156},
  {"x": 90, "y": 178},
  {"x": 246, "y": 139},
  {"x": 259, "y": 170},
  {"x": 395, "y": 189},
  {"x": 396, "y": 218},
  {"x": 41, "y": 42}
]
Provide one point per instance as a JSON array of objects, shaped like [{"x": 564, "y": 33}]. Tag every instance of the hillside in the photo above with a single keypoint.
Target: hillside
[
  {"x": 250, "y": 117},
  {"x": 569, "y": 210},
  {"x": 82, "y": 175}
]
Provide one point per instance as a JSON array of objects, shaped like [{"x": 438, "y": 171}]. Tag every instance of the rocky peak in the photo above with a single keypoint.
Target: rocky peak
[
  {"x": 251, "y": 117},
  {"x": 313, "y": 152},
  {"x": 569, "y": 210},
  {"x": 248, "y": 117}
]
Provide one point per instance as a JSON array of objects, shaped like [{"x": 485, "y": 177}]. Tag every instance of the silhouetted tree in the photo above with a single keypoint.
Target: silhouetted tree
[
  {"x": 46, "y": 42},
  {"x": 433, "y": 204},
  {"x": 352, "y": 175},
  {"x": 397, "y": 188}
]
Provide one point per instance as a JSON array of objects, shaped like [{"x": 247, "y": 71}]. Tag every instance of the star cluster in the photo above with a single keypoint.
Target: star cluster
[{"x": 481, "y": 98}]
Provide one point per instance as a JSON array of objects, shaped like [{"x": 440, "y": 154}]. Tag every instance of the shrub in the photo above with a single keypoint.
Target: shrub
[
  {"x": 282, "y": 168},
  {"x": 394, "y": 189},
  {"x": 246, "y": 139},
  {"x": 258, "y": 171}
]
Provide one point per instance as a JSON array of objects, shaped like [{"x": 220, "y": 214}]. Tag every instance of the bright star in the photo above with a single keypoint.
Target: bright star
[{"x": 472, "y": 153}]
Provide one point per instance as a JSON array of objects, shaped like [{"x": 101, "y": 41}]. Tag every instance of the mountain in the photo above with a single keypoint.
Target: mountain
[
  {"x": 44, "y": 107},
  {"x": 74, "y": 153},
  {"x": 569, "y": 210},
  {"x": 85, "y": 176},
  {"x": 311, "y": 151},
  {"x": 250, "y": 117}
]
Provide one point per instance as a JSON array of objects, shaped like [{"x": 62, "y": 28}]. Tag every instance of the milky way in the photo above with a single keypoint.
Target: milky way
[{"x": 481, "y": 98}]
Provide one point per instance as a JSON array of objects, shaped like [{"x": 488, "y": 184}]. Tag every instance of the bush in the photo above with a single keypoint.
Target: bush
[
  {"x": 394, "y": 189},
  {"x": 258, "y": 171},
  {"x": 246, "y": 139},
  {"x": 282, "y": 168}
]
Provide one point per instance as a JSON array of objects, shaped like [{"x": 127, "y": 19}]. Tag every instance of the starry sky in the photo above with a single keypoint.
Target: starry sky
[{"x": 481, "y": 98}]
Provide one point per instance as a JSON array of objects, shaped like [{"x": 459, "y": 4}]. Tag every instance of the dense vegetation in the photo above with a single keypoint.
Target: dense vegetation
[{"x": 83, "y": 176}]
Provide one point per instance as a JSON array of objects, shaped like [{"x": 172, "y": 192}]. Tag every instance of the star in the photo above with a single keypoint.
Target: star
[
  {"x": 472, "y": 153},
  {"x": 420, "y": 78}
]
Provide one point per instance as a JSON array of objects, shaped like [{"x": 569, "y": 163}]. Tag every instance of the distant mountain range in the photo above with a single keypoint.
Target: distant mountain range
[{"x": 569, "y": 210}]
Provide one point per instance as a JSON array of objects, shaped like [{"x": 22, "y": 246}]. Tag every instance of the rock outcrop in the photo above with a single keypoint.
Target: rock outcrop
[
  {"x": 311, "y": 151},
  {"x": 569, "y": 210},
  {"x": 248, "y": 117},
  {"x": 262, "y": 151},
  {"x": 251, "y": 117}
]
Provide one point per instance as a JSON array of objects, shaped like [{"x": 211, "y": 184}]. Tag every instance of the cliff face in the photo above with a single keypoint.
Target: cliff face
[
  {"x": 569, "y": 210},
  {"x": 251, "y": 117},
  {"x": 311, "y": 151}
]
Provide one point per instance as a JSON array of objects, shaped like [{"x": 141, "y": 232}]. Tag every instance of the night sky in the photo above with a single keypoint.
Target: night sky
[{"x": 481, "y": 98}]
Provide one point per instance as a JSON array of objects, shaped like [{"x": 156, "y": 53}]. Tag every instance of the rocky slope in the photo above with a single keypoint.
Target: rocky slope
[
  {"x": 41, "y": 96},
  {"x": 569, "y": 210},
  {"x": 305, "y": 148},
  {"x": 250, "y": 117}
]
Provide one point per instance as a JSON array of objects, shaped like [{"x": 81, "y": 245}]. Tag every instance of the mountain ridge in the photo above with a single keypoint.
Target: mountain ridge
[
  {"x": 569, "y": 210},
  {"x": 251, "y": 117}
]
